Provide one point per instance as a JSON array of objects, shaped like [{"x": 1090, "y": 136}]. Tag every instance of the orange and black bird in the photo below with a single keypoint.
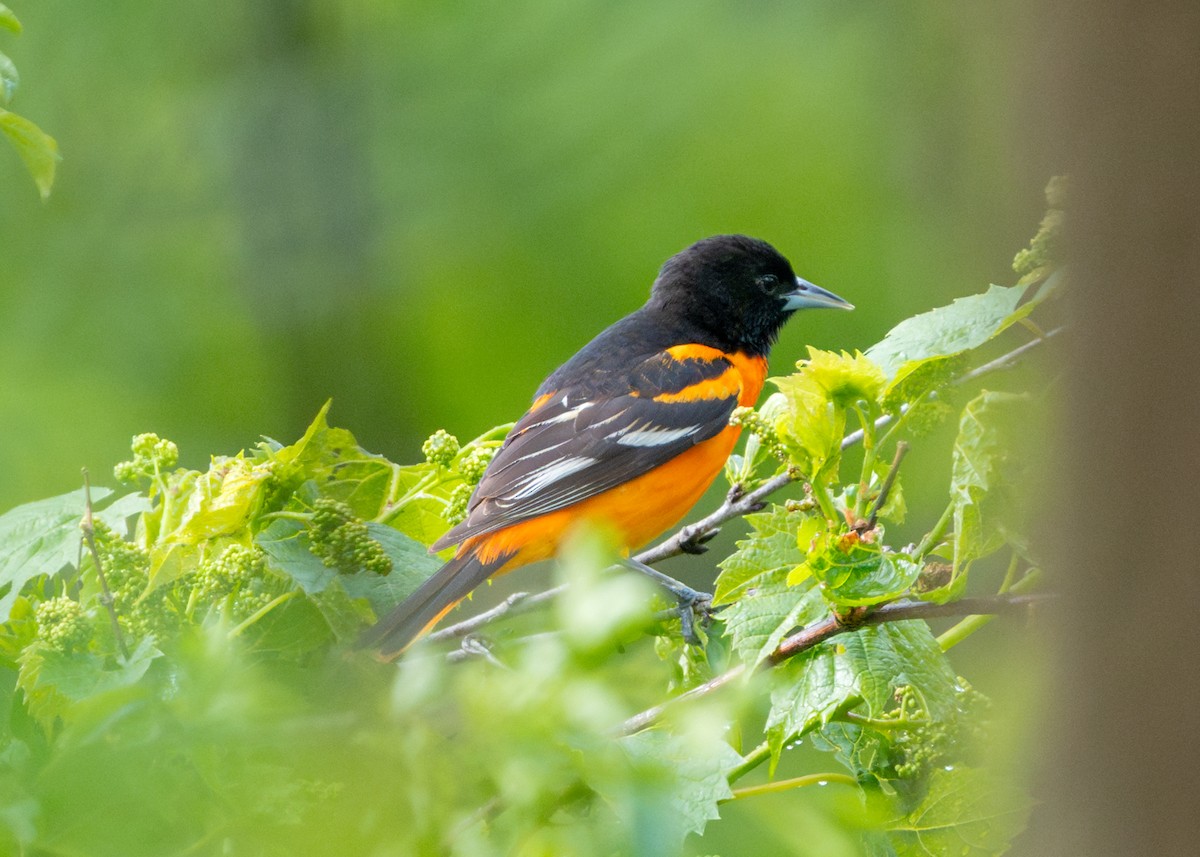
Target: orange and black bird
[{"x": 630, "y": 431}]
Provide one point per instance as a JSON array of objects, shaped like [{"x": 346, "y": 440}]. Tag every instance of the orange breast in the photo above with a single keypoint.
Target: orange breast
[{"x": 640, "y": 509}]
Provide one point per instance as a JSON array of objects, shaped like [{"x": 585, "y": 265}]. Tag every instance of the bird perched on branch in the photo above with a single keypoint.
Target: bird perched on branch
[{"x": 628, "y": 432}]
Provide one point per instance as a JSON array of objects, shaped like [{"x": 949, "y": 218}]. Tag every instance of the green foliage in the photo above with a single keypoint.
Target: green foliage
[
  {"x": 37, "y": 149},
  {"x": 201, "y": 663}
]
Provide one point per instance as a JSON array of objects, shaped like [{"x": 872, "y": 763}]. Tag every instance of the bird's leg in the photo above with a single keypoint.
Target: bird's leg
[{"x": 689, "y": 599}]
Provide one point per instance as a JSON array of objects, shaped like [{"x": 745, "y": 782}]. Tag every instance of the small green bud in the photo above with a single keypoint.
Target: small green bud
[
  {"x": 63, "y": 625},
  {"x": 475, "y": 464},
  {"x": 441, "y": 448},
  {"x": 143, "y": 445},
  {"x": 456, "y": 511}
]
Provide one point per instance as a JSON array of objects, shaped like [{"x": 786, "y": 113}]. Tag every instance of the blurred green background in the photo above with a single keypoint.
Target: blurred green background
[{"x": 420, "y": 209}]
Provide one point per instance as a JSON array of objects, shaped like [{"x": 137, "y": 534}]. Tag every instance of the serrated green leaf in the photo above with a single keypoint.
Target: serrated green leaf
[
  {"x": 8, "y": 20},
  {"x": 773, "y": 544},
  {"x": 965, "y": 812},
  {"x": 807, "y": 690},
  {"x": 976, "y": 489},
  {"x": 855, "y": 574},
  {"x": 9, "y": 79},
  {"x": 228, "y": 499},
  {"x": 753, "y": 581},
  {"x": 700, "y": 775},
  {"x": 915, "y": 379},
  {"x": 845, "y": 378},
  {"x": 287, "y": 552},
  {"x": 294, "y": 628},
  {"x": 37, "y": 149},
  {"x": 812, "y": 426},
  {"x": 53, "y": 682},
  {"x": 757, "y": 623},
  {"x": 960, "y": 326},
  {"x": 865, "y": 752},
  {"x": 866, "y": 668},
  {"x": 345, "y": 615},
  {"x": 897, "y": 654},
  {"x": 44, "y": 538}
]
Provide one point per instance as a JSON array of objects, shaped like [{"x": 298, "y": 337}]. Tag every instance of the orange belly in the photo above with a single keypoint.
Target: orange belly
[{"x": 637, "y": 510}]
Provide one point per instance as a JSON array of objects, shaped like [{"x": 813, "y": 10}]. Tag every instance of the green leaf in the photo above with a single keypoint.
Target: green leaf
[
  {"x": 9, "y": 79},
  {"x": 977, "y": 490},
  {"x": 700, "y": 775},
  {"x": 298, "y": 626},
  {"x": 960, "y": 326},
  {"x": 44, "y": 538},
  {"x": 966, "y": 812},
  {"x": 54, "y": 682},
  {"x": 899, "y": 654},
  {"x": 844, "y": 378},
  {"x": 8, "y": 20},
  {"x": 763, "y": 608},
  {"x": 230, "y": 496},
  {"x": 812, "y": 426},
  {"x": 866, "y": 668},
  {"x": 856, "y": 574},
  {"x": 37, "y": 149},
  {"x": 807, "y": 690},
  {"x": 773, "y": 544}
]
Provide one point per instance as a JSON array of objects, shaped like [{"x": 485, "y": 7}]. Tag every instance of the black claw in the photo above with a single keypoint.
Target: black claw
[{"x": 696, "y": 544}]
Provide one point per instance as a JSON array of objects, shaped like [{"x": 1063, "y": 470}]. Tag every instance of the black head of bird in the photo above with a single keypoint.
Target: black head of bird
[{"x": 738, "y": 289}]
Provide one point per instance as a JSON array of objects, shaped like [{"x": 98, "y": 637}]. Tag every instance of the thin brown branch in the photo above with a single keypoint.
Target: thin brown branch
[
  {"x": 518, "y": 602},
  {"x": 888, "y": 482},
  {"x": 1008, "y": 360},
  {"x": 819, "y": 632}
]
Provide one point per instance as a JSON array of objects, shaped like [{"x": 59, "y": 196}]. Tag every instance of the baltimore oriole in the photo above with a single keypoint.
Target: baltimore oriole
[{"x": 631, "y": 430}]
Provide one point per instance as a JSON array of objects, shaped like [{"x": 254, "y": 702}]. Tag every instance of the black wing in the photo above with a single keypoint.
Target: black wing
[{"x": 578, "y": 442}]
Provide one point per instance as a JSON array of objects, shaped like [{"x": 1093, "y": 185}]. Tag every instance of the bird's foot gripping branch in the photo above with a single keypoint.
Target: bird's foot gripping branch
[{"x": 192, "y": 681}]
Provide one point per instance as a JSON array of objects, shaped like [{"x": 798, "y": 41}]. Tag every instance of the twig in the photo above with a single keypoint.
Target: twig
[
  {"x": 651, "y": 716},
  {"x": 886, "y": 488},
  {"x": 819, "y": 632},
  {"x": 1005, "y": 361},
  {"x": 518, "y": 602},
  {"x": 88, "y": 526}
]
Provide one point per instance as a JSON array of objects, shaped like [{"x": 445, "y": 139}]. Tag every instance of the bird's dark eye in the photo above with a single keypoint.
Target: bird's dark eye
[{"x": 769, "y": 283}]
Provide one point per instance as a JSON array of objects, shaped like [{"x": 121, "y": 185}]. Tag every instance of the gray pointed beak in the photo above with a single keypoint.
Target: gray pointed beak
[{"x": 808, "y": 296}]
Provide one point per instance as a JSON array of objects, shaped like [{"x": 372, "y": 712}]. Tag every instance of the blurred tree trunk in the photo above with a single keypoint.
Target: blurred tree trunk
[{"x": 1124, "y": 82}]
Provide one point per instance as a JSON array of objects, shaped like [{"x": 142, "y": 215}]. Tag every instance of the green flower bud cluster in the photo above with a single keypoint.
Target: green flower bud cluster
[
  {"x": 151, "y": 455},
  {"x": 456, "y": 510},
  {"x": 126, "y": 569},
  {"x": 342, "y": 540},
  {"x": 943, "y": 742},
  {"x": 63, "y": 625},
  {"x": 441, "y": 448},
  {"x": 756, "y": 424},
  {"x": 475, "y": 463},
  {"x": 237, "y": 580},
  {"x": 232, "y": 571}
]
